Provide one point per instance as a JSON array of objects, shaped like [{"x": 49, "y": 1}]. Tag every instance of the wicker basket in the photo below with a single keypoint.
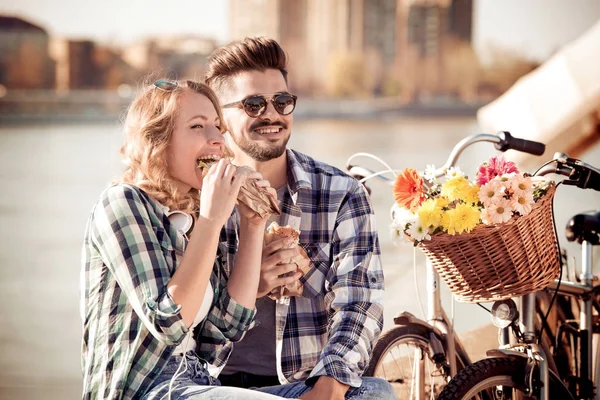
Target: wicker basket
[{"x": 499, "y": 261}]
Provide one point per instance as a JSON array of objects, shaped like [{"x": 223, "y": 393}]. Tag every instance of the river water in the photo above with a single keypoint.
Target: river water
[{"x": 52, "y": 175}]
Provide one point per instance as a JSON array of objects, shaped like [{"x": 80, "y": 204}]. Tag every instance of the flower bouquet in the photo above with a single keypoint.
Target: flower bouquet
[{"x": 490, "y": 238}]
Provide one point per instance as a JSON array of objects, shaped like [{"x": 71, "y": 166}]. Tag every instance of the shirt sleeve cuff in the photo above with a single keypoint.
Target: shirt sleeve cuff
[
  {"x": 167, "y": 318},
  {"x": 237, "y": 317},
  {"x": 336, "y": 368}
]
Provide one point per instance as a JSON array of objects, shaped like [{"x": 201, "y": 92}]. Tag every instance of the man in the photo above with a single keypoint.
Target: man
[{"x": 318, "y": 344}]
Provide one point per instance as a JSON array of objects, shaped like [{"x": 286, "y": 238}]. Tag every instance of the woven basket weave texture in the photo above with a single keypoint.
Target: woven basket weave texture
[{"x": 495, "y": 262}]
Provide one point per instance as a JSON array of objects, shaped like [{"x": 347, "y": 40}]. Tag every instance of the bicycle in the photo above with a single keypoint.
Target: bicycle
[
  {"x": 432, "y": 349},
  {"x": 526, "y": 368}
]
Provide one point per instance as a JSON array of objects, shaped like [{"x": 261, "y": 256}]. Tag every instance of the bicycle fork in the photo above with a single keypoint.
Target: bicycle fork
[
  {"x": 523, "y": 326},
  {"x": 535, "y": 352},
  {"x": 443, "y": 354}
]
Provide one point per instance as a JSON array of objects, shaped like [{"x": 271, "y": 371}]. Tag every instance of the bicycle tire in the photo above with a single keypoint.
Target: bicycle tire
[
  {"x": 490, "y": 373},
  {"x": 411, "y": 335}
]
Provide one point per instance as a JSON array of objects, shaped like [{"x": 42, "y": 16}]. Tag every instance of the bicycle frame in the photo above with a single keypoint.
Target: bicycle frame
[
  {"x": 437, "y": 318},
  {"x": 437, "y": 321},
  {"x": 583, "y": 291}
]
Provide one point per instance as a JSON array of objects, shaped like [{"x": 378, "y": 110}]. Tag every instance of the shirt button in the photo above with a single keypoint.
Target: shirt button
[{"x": 373, "y": 280}]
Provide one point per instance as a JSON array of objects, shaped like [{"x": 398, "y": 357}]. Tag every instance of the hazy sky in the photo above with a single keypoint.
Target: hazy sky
[
  {"x": 124, "y": 20},
  {"x": 533, "y": 27}
]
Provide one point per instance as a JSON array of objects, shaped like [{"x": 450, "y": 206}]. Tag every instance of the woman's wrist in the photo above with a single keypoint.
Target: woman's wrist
[
  {"x": 207, "y": 226},
  {"x": 251, "y": 224}
]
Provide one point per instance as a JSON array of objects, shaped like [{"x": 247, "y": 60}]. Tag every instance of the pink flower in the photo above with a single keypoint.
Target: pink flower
[
  {"x": 494, "y": 167},
  {"x": 497, "y": 212}
]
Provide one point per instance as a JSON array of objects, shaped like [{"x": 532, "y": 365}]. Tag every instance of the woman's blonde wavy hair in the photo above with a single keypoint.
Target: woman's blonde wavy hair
[{"x": 149, "y": 126}]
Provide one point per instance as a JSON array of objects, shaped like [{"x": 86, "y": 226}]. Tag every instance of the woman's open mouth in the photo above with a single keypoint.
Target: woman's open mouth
[{"x": 205, "y": 162}]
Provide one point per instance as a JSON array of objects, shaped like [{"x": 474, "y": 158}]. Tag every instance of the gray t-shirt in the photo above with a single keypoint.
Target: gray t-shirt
[{"x": 255, "y": 353}]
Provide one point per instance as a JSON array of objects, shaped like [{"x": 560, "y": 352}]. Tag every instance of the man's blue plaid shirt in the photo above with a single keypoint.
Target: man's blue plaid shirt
[{"x": 331, "y": 329}]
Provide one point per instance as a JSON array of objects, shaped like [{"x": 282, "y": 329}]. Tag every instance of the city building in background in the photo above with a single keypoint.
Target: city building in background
[
  {"x": 416, "y": 54},
  {"x": 56, "y": 77},
  {"x": 405, "y": 48},
  {"x": 86, "y": 65},
  {"x": 31, "y": 59},
  {"x": 25, "y": 61},
  {"x": 178, "y": 57}
]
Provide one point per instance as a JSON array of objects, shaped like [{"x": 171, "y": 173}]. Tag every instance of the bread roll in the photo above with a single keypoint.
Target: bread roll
[{"x": 275, "y": 232}]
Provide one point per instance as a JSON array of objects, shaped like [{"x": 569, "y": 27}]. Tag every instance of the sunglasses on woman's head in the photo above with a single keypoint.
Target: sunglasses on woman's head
[
  {"x": 165, "y": 84},
  {"x": 256, "y": 105}
]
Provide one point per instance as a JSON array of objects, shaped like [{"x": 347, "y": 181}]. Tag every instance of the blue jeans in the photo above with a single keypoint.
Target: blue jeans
[
  {"x": 196, "y": 383},
  {"x": 371, "y": 389}
]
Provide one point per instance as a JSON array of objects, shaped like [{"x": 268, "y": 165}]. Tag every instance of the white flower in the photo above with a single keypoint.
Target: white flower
[
  {"x": 418, "y": 232},
  {"x": 429, "y": 174},
  {"x": 490, "y": 192},
  {"x": 398, "y": 236},
  {"x": 522, "y": 186},
  {"x": 497, "y": 212},
  {"x": 501, "y": 184},
  {"x": 522, "y": 203},
  {"x": 401, "y": 219},
  {"x": 454, "y": 172}
]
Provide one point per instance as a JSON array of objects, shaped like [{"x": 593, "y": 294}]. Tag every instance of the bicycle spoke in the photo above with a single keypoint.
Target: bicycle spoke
[{"x": 408, "y": 367}]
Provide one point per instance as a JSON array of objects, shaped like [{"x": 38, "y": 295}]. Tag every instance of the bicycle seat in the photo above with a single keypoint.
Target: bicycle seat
[{"x": 584, "y": 226}]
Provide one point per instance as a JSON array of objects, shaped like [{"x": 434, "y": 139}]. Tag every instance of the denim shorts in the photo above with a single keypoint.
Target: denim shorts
[
  {"x": 196, "y": 383},
  {"x": 193, "y": 372}
]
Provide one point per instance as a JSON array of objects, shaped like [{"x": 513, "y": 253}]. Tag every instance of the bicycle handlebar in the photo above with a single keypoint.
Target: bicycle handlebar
[
  {"x": 579, "y": 174},
  {"x": 502, "y": 141},
  {"x": 507, "y": 142}
]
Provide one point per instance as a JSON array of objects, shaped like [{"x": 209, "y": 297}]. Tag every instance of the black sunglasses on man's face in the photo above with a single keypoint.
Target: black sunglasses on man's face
[{"x": 256, "y": 105}]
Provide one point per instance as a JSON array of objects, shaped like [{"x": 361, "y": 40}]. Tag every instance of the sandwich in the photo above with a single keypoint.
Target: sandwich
[
  {"x": 275, "y": 232},
  {"x": 257, "y": 198}
]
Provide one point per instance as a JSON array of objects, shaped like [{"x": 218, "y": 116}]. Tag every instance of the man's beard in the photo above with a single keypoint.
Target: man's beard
[{"x": 257, "y": 150}]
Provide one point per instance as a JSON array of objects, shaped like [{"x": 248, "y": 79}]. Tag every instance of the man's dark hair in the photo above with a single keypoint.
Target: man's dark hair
[{"x": 248, "y": 54}]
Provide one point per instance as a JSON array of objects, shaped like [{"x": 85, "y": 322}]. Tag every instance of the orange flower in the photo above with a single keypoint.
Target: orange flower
[{"x": 408, "y": 189}]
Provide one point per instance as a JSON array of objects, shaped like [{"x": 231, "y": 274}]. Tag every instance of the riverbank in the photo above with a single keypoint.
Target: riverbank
[{"x": 92, "y": 107}]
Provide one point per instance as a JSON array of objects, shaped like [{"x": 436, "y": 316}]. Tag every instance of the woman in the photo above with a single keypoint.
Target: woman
[{"x": 145, "y": 285}]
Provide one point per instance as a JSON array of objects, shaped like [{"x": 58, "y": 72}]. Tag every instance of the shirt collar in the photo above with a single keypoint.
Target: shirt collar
[{"x": 298, "y": 177}]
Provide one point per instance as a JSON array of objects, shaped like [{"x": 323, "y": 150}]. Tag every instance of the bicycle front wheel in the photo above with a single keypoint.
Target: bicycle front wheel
[
  {"x": 497, "y": 378},
  {"x": 402, "y": 357}
]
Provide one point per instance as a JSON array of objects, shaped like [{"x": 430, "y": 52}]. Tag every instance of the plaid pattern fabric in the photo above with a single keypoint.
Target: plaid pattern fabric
[
  {"x": 130, "y": 323},
  {"x": 331, "y": 329}
]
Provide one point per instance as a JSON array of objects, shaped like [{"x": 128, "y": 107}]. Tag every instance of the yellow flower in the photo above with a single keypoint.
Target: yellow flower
[
  {"x": 471, "y": 195},
  {"x": 441, "y": 202},
  {"x": 430, "y": 213},
  {"x": 455, "y": 188},
  {"x": 447, "y": 223},
  {"x": 463, "y": 218}
]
